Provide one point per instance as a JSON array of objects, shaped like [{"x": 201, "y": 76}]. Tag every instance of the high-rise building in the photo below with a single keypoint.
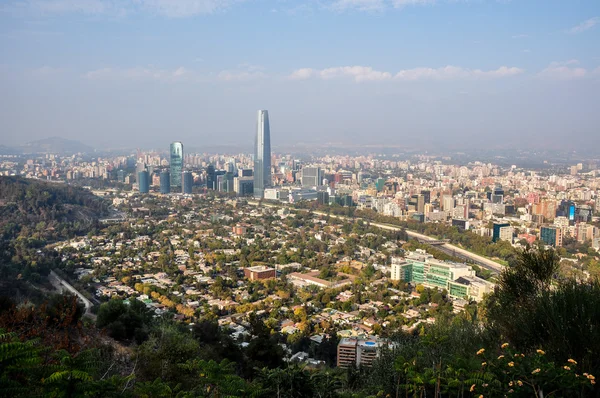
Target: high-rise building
[
  {"x": 551, "y": 235},
  {"x": 262, "y": 154},
  {"x": 176, "y": 163},
  {"x": 497, "y": 229},
  {"x": 243, "y": 186},
  {"x": 323, "y": 197},
  {"x": 188, "y": 182},
  {"x": 165, "y": 182},
  {"x": 417, "y": 203},
  {"x": 211, "y": 177},
  {"x": 311, "y": 176},
  {"x": 144, "y": 181}
]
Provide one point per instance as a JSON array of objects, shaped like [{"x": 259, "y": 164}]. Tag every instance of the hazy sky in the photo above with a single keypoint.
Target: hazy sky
[{"x": 470, "y": 73}]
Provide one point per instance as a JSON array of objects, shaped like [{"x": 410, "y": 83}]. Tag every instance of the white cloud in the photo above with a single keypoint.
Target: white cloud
[
  {"x": 168, "y": 8},
  {"x": 183, "y": 8},
  {"x": 563, "y": 71},
  {"x": 455, "y": 72},
  {"x": 367, "y": 73},
  {"x": 360, "y": 5},
  {"x": 403, "y": 3},
  {"x": 357, "y": 73},
  {"x": 138, "y": 73},
  {"x": 240, "y": 76},
  {"x": 585, "y": 25},
  {"x": 302, "y": 74}
]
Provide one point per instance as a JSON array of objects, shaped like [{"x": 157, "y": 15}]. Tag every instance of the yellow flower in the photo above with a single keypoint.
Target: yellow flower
[
  {"x": 566, "y": 368},
  {"x": 511, "y": 364},
  {"x": 481, "y": 351},
  {"x": 472, "y": 388},
  {"x": 501, "y": 356},
  {"x": 536, "y": 371},
  {"x": 574, "y": 362},
  {"x": 481, "y": 396},
  {"x": 591, "y": 377},
  {"x": 511, "y": 390},
  {"x": 504, "y": 345},
  {"x": 483, "y": 363},
  {"x": 510, "y": 384},
  {"x": 541, "y": 352},
  {"x": 592, "y": 382},
  {"x": 519, "y": 383},
  {"x": 485, "y": 384}
]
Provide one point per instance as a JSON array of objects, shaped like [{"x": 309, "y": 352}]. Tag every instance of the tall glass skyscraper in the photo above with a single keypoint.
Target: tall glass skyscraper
[
  {"x": 165, "y": 182},
  {"x": 262, "y": 154},
  {"x": 144, "y": 181},
  {"x": 176, "y": 163}
]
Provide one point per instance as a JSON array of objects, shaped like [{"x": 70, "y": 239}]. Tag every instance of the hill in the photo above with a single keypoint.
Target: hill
[
  {"x": 34, "y": 213},
  {"x": 55, "y": 145}
]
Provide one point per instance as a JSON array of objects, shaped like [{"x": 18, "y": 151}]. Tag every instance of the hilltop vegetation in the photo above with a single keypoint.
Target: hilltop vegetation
[{"x": 34, "y": 213}]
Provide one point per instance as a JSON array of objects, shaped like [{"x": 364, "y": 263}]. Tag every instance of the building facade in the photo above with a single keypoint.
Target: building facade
[
  {"x": 551, "y": 235},
  {"x": 259, "y": 272},
  {"x": 188, "y": 182},
  {"x": 262, "y": 154},
  {"x": 458, "y": 279},
  {"x": 176, "y": 163},
  {"x": 144, "y": 181},
  {"x": 165, "y": 182}
]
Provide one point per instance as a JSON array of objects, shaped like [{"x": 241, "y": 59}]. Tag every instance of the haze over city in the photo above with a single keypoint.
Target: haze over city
[{"x": 456, "y": 74}]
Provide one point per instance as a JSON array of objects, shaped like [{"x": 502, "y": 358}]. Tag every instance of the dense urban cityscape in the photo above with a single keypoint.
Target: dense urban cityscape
[{"x": 282, "y": 199}]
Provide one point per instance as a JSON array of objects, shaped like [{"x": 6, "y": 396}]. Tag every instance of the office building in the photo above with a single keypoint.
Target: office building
[
  {"x": 165, "y": 182},
  {"x": 243, "y": 186},
  {"x": 121, "y": 175},
  {"x": 311, "y": 176},
  {"x": 460, "y": 223},
  {"x": 551, "y": 235},
  {"x": 245, "y": 173},
  {"x": 417, "y": 203},
  {"x": 496, "y": 230},
  {"x": 259, "y": 272},
  {"x": 458, "y": 279},
  {"x": 144, "y": 181},
  {"x": 262, "y": 154},
  {"x": 447, "y": 203},
  {"x": 188, "y": 182},
  {"x": 211, "y": 177},
  {"x": 323, "y": 197},
  {"x": 426, "y": 195},
  {"x": 506, "y": 234},
  {"x": 176, "y": 163}
]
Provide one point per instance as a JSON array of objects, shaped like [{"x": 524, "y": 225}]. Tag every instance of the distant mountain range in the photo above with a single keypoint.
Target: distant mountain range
[{"x": 48, "y": 145}]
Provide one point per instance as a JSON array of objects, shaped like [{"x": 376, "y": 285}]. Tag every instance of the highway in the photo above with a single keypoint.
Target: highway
[{"x": 447, "y": 247}]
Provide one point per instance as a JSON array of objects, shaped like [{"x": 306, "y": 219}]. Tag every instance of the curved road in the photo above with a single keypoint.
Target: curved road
[{"x": 62, "y": 284}]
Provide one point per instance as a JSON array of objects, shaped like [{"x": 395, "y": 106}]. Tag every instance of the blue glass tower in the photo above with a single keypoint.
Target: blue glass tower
[
  {"x": 262, "y": 154},
  {"x": 165, "y": 182},
  {"x": 144, "y": 181},
  {"x": 188, "y": 182},
  {"x": 176, "y": 163}
]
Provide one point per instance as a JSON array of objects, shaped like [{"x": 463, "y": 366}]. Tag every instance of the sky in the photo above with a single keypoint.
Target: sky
[{"x": 416, "y": 73}]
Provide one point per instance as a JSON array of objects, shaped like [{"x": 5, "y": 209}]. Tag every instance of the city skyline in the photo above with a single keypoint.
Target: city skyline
[{"x": 423, "y": 73}]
